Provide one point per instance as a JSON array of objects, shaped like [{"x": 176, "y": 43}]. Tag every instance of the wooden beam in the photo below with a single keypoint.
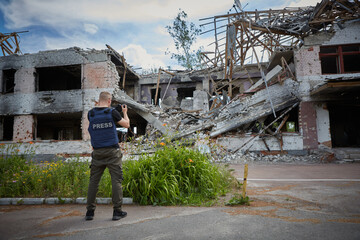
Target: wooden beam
[
  {"x": 282, "y": 123},
  {"x": 124, "y": 75},
  {"x": 267, "y": 147},
  {"x": 157, "y": 86},
  {"x": 172, "y": 74}
]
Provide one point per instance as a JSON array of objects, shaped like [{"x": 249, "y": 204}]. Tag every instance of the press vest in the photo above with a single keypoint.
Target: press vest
[{"x": 102, "y": 128}]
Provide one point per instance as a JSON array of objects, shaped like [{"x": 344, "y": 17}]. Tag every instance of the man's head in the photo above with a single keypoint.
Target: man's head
[{"x": 105, "y": 99}]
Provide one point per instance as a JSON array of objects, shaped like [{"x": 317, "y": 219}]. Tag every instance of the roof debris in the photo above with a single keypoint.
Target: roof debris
[
  {"x": 10, "y": 47},
  {"x": 266, "y": 31}
]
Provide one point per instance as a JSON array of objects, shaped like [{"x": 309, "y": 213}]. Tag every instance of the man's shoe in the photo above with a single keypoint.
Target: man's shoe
[
  {"x": 89, "y": 215},
  {"x": 118, "y": 215}
]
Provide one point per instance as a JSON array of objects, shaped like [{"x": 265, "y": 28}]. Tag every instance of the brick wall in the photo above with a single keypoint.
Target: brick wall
[{"x": 307, "y": 122}]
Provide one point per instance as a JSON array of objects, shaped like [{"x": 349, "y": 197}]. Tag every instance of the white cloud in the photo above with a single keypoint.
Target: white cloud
[
  {"x": 77, "y": 39},
  {"x": 303, "y": 3},
  {"x": 137, "y": 56},
  {"x": 162, "y": 31},
  {"x": 300, "y": 3},
  {"x": 90, "y": 28},
  {"x": 118, "y": 21},
  {"x": 24, "y": 13}
]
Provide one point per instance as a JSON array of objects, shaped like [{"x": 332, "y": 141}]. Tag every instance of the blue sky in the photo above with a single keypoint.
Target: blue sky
[{"x": 135, "y": 28}]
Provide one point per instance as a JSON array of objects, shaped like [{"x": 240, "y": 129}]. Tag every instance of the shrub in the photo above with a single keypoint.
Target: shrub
[{"x": 174, "y": 175}]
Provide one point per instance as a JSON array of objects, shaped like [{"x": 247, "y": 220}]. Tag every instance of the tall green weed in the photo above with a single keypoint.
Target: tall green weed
[{"x": 174, "y": 175}]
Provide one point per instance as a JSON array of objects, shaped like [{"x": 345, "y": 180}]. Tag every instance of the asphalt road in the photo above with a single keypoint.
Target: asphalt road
[{"x": 288, "y": 202}]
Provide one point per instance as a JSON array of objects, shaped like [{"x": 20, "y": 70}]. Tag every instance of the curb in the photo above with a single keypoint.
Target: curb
[{"x": 51, "y": 201}]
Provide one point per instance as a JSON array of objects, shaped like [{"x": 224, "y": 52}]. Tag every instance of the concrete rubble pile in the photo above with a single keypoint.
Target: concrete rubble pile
[{"x": 180, "y": 124}]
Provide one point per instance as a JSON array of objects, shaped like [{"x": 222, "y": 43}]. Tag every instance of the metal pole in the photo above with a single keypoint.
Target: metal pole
[{"x": 245, "y": 181}]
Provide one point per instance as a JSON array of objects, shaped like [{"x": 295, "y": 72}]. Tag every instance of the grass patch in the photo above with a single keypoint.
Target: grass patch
[
  {"x": 238, "y": 200},
  {"x": 173, "y": 175},
  {"x": 20, "y": 177}
]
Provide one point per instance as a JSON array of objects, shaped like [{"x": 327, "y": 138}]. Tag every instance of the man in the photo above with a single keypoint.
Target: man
[{"x": 106, "y": 152}]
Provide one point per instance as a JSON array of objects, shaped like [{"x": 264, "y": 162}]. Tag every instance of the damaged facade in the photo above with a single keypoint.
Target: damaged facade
[
  {"x": 278, "y": 81},
  {"x": 45, "y": 96}
]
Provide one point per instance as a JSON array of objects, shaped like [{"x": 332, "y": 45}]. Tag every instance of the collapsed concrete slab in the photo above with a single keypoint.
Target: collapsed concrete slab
[
  {"x": 247, "y": 110},
  {"x": 122, "y": 98}
]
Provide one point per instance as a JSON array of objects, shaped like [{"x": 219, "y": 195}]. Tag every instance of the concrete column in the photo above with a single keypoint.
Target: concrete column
[
  {"x": 323, "y": 125},
  {"x": 1, "y": 81},
  {"x": 201, "y": 101},
  {"x": 206, "y": 85},
  {"x": 137, "y": 92},
  {"x": 23, "y": 128},
  {"x": 85, "y": 126},
  {"x": 307, "y": 123}
]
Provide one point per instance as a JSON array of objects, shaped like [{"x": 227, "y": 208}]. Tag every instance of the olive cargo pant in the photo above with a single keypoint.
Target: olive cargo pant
[{"x": 102, "y": 158}]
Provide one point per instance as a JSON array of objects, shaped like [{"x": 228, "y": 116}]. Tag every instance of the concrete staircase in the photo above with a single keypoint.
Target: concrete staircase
[{"x": 347, "y": 154}]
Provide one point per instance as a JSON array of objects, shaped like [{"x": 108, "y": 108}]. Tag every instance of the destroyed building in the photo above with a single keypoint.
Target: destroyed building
[
  {"x": 45, "y": 96},
  {"x": 313, "y": 53},
  {"x": 303, "y": 93},
  {"x": 283, "y": 80}
]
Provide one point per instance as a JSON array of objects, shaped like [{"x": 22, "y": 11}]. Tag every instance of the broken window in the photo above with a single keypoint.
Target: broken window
[
  {"x": 58, "y": 78},
  {"x": 8, "y": 80},
  {"x": 6, "y": 128},
  {"x": 340, "y": 59},
  {"x": 187, "y": 93},
  {"x": 153, "y": 95},
  {"x": 289, "y": 123},
  {"x": 64, "y": 126}
]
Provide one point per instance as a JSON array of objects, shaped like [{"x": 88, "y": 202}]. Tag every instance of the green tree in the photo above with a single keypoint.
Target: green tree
[{"x": 184, "y": 35}]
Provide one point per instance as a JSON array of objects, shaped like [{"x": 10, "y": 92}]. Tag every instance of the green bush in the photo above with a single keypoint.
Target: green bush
[{"x": 174, "y": 175}]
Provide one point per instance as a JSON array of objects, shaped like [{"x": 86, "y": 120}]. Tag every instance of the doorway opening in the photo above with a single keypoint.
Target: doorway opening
[{"x": 345, "y": 125}]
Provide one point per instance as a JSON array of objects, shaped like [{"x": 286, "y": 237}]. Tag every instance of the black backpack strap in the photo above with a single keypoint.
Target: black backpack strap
[{"x": 108, "y": 110}]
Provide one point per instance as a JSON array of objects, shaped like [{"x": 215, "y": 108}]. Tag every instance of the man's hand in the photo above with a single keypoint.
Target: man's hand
[
  {"x": 124, "y": 108},
  {"x": 121, "y": 108},
  {"x": 124, "y": 122}
]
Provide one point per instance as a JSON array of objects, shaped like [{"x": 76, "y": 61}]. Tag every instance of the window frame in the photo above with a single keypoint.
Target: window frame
[{"x": 339, "y": 57}]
